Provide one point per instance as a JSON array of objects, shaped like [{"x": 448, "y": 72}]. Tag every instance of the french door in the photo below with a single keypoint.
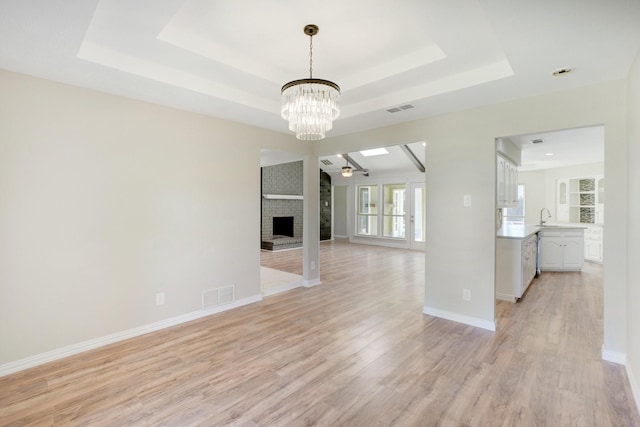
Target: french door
[{"x": 417, "y": 219}]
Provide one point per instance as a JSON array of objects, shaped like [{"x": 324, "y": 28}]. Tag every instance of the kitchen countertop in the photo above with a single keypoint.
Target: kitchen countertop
[
  {"x": 517, "y": 231},
  {"x": 522, "y": 231}
]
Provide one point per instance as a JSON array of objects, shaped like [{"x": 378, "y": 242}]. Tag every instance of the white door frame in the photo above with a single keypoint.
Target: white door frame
[{"x": 417, "y": 224}]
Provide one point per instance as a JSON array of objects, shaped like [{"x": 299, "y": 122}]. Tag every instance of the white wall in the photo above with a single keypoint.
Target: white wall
[
  {"x": 633, "y": 228},
  {"x": 541, "y": 187},
  {"x": 106, "y": 201},
  {"x": 460, "y": 157},
  {"x": 535, "y": 190}
]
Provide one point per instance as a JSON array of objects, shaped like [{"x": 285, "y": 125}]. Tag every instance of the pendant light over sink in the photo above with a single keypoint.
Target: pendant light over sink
[{"x": 310, "y": 105}]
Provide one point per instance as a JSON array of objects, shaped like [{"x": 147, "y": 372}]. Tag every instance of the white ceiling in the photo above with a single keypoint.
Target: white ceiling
[
  {"x": 561, "y": 148},
  {"x": 229, "y": 59},
  {"x": 396, "y": 161}
]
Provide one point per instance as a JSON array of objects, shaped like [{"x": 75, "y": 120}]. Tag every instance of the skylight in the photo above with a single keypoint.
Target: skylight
[{"x": 374, "y": 152}]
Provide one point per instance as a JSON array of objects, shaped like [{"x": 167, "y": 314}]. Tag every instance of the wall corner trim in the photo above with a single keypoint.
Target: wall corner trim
[
  {"x": 460, "y": 318},
  {"x": 70, "y": 350}
]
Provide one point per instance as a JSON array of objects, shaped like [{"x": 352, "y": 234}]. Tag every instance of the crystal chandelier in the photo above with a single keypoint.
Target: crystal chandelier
[{"x": 310, "y": 104}]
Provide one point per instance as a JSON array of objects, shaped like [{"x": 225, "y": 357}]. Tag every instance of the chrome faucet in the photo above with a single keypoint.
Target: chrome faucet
[{"x": 548, "y": 216}]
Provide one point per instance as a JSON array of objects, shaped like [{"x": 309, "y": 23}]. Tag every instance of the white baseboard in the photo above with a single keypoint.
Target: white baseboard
[
  {"x": 613, "y": 356},
  {"x": 70, "y": 350},
  {"x": 283, "y": 288},
  {"x": 460, "y": 318},
  {"x": 311, "y": 283},
  {"x": 505, "y": 297},
  {"x": 380, "y": 241},
  {"x": 621, "y": 359},
  {"x": 635, "y": 387}
]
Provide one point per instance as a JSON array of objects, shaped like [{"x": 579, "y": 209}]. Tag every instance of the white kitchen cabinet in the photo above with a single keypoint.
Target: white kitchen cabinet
[
  {"x": 593, "y": 237},
  {"x": 562, "y": 249},
  {"x": 500, "y": 182},
  {"x": 506, "y": 183},
  {"x": 515, "y": 266}
]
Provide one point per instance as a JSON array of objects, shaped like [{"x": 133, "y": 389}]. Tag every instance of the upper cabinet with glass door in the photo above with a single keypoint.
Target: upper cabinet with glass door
[
  {"x": 506, "y": 183},
  {"x": 508, "y": 157}
]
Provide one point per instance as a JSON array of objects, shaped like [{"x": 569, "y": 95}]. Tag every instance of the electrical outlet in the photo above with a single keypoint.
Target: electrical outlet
[
  {"x": 466, "y": 294},
  {"x": 466, "y": 200},
  {"x": 160, "y": 298}
]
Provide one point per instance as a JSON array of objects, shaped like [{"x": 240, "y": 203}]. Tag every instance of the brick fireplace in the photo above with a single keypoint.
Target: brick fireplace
[{"x": 282, "y": 198}]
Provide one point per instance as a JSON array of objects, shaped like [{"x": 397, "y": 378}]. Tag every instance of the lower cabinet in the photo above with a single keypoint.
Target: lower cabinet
[
  {"x": 562, "y": 250},
  {"x": 515, "y": 266},
  {"x": 593, "y": 237}
]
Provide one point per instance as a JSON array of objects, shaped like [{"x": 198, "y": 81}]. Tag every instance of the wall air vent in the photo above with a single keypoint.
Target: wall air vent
[
  {"x": 400, "y": 108},
  {"x": 537, "y": 141},
  {"x": 218, "y": 296},
  {"x": 326, "y": 162}
]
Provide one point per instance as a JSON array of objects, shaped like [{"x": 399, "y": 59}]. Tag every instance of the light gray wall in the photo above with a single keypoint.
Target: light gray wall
[
  {"x": 633, "y": 229},
  {"x": 340, "y": 211},
  {"x": 106, "y": 201},
  {"x": 535, "y": 191}
]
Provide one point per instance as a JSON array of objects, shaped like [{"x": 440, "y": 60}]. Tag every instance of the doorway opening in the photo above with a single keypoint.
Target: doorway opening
[
  {"x": 558, "y": 181},
  {"x": 282, "y": 216}
]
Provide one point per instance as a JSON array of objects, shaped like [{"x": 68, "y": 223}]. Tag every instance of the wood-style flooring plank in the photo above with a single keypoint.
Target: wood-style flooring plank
[{"x": 354, "y": 351}]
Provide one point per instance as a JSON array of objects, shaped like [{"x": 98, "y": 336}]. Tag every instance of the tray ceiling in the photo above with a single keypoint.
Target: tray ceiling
[{"x": 229, "y": 59}]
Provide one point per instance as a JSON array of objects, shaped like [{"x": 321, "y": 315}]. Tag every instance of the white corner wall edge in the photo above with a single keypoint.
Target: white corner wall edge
[
  {"x": 70, "y": 350},
  {"x": 460, "y": 318}
]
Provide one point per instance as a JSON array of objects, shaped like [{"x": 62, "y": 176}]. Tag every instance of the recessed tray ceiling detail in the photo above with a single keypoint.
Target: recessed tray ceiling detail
[{"x": 219, "y": 50}]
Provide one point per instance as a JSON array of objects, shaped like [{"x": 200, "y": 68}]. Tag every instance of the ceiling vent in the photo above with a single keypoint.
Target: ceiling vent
[
  {"x": 537, "y": 141},
  {"x": 562, "y": 71},
  {"x": 400, "y": 108},
  {"x": 326, "y": 162}
]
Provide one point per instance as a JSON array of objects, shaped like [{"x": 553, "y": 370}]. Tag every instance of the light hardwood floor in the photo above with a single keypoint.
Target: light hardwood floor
[{"x": 354, "y": 351}]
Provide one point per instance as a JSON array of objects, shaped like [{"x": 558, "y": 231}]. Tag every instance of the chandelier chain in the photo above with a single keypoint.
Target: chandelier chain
[{"x": 311, "y": 57}]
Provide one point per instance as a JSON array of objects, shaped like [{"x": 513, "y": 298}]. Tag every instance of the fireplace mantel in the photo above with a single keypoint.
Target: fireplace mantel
[{"x": 282, "y": 196}]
